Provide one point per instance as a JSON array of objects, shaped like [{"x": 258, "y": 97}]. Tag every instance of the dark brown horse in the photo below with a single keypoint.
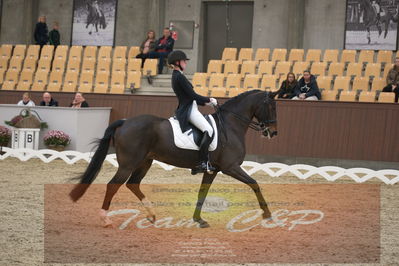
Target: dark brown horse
[{"x": 140, "y": 140}]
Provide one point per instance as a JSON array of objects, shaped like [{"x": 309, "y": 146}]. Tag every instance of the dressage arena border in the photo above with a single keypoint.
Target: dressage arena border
[{"x": 301, "y": 171}]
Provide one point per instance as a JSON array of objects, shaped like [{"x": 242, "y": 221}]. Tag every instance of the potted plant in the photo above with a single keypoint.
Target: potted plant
[
  {"x": 5, "y": 136},
  {"x": 56, "y": 140}
]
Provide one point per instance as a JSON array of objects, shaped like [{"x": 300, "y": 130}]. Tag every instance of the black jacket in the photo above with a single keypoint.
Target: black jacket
[
  {"x": 84, "y": 104},
  {"x": 288, "y": 89},
  {"x": 41, "y": 33},
  {"x": 54, "y": 37},
  {"x": 51, "y": 103},
  {"x": 168, "y": 46},
  {"x": 311, "y": 89},
  {"x": 186, "y": 95}
]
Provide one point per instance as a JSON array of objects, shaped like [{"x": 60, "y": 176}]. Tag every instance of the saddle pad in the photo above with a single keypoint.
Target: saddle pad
[{"x": 186, "y": 140}]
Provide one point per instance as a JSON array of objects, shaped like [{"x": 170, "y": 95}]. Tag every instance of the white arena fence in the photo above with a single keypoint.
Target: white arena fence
[{"x": 302, "y": 171}]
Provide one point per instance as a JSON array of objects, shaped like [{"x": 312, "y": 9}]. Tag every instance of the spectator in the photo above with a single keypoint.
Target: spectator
[
  {"x": 26, "y": 101},
  {"x": 288, "y": 87},
  {"x": 307, "y": 88},
  {"x": 41, "y": 32},
  {"x": 147, "y": 46},
  {"x": 393, "y": 80},
  {"x": 162, "y": 48},
  {"x": 54, "y": 35},
  {"x": 79, "y": 101},
  {"x": 48, "y": 100}
]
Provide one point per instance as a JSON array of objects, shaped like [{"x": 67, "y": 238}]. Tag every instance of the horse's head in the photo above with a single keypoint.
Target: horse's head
[{"x": 265, "y": 113}]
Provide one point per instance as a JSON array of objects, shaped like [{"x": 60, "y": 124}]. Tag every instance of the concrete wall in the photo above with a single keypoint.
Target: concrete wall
[{"x": 12, "y": 23}]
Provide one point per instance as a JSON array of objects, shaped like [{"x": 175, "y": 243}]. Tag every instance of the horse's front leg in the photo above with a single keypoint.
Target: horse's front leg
[
  {"x": 239, "y": 174},
  {"x": 207, "y": 180}
]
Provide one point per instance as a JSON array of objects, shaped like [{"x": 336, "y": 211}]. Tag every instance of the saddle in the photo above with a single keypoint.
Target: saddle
[{"x": 190, "y": 139}]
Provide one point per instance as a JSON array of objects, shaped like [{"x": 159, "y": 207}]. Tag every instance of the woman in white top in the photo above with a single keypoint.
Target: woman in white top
[{"x": 26, "y": 101}]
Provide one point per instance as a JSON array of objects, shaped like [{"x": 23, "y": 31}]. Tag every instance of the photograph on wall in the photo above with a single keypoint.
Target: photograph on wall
[
  {"x": 371, "y": 24},
  {"x": 94, "y": 22}
]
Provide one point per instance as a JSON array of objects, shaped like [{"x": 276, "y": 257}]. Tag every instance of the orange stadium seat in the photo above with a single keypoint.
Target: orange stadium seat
[
  {"x": 47, "y": 52},
  {"x": 104, "y": 52},
  {"x": 218, "y": 92},
  {"x": 120, "y": 52},
  {"x": 214, "y": 66},
  {"x": 233, "y": 81},
  {"x": 133, "y": 52},
  {"x": 73, "y": 65},
  {"x": 386, "y": 97},
  {"x": 90, "y": 52},
  {"x": 299, "y": 67},
  {"x": 384, "y": 56},
  {"x": 341, "y": 83},
  {"x": 324, "y": 82},
  {"x": 282, "y": 68},
  {"x": 330, "y": 55},
  {"x": 30, "y": 64},
  {"x": 366, "y": 56},
  {"x": 88, "y": 65},
  {"x": 2, "y": 71},
  {"x": 10, "y": 80},
  {"x": 61, "y": 52},
  {"x": 248, "y": 67},
  {"x": 354, "y": 70},
  {"x": 15, "y": 63},
  {"x": 118, "y": 82},
  {"x": 360, "y": 83},
  {"x": 134, "y": 64},
  {"x": 19, "y": 51},
  {"x": 378, "y": 84},
  {"x": 33, "y": 52},
  {"x": 75, "y": 53},
  {"x": 296, "y": 55},
  {"x": 119, "y": 65},
  {"x": 58, "y": 65},
  {"x": 265, "y": 68},
  {"x": 40, "y": 81},
  {"x": 133, "y": 80},
  {"x": 202, "y": 91},
  {"x": 245, "y": 54},
  {"x": 251, "y": 82},
  {"x": 6, "y": 50},
  {"x": 367, "y": 96},
  {"x": 55, "y": 81},
  {"x": 348, "y": 96},
  {"x": 216, "y": 80},
  {"x": 231, "y": 67},
  {"x": 199, "y": 79},
  {"x": 104, "y": 65},
  {"x": 313, "y": 55},
  {"x": 44, "y": 64},
  {"x": 86, "y": 82},
  {"x": 348, "y": 56},
  {"x": 373, "y": 70},
  {"x": 70, "y": 82},
  {"x": 328, "y": 95},
  {"x": 279, "y": 54},
  {"x": 336, "y": 69},
  {"x": 3, "y": 64},
  {"x": 229, "y": 54},
  {"x": 235, "y": 91},
  {"x": 262, "y": 54},
  {"x": 150, "y": 67},
  {"x": 268, "y": 83},
  {"x": 101, "y": 84},
  {"x": 25, "y": 80},
  {"x": 318, "y": 68}
]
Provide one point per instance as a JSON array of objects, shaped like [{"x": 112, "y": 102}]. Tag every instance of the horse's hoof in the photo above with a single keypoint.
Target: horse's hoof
[
  {"x": 151, "y": 218},
  {"x": 266, "y": 214},
  {"x": 107, "y": 222},
  {"x": 202, "y": 223}
]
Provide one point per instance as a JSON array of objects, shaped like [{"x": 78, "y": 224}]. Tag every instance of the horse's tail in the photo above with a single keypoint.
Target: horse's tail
[{"x": 96, "y": 162}]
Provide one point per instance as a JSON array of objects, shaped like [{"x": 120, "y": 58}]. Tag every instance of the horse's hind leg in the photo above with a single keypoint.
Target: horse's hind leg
[{"x": 134, "y": 185}]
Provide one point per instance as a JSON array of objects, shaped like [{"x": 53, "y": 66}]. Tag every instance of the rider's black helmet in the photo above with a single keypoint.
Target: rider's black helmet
[{"x": 175, "y": 56}]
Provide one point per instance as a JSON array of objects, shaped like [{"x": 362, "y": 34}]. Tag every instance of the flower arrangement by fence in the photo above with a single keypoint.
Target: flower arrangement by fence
[
  {"x": 56, "y": 138},
  {"x": 5, "y": 136},
  {"x": 27, "y": 120}
]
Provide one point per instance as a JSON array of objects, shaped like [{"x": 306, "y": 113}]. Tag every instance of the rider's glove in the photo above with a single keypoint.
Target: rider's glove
[{"x": 213, "y": 101}]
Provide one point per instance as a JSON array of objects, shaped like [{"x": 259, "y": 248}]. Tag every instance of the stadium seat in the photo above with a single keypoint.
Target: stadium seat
[
  {"x": 360, "y": 83},
  {"x": 73, "y": 65},
  {"x": 328, "y": 95},
  {"x": 134, "y": 65},
  {"x": 61, "y": 52},
  {"x": 104, "y": 64},
  {"x": 336, "y": 69},
  {"x": 70, "y": 82},
  {"x": 118, "y": 82},
  {"x": 30, "y": 64},
  {"x": 367, "y": 96},
  {"x": 86, "y": 82},
  {"x": 15, "y": 64},
  {"x": 47, "y": 52},
  {"x": 366, "y": 56},
  {"x": 75, "y": 53},
  {"x": 354, "y": 70},
  {"x": 199, "y": 79},
  {"x": 299, "y": 67},
  {"x": 218, "y": 92},
  {"x": 133, "y": 52},
  {"x": 3, "y": 64},
  {"x": 19, "y": 51},
  {"x": 265, "y": 68},
  {"x": 387, "y": 68},
  {"x": 104, "y": 52},
  {"x": 216, "y": 80},
  {"x": 33, "y": 52},
  {"x": 231, "y": 67},
  {"x": 88, "y": 65},
  {"x": 6, "y": 50},
  {"x": 268, "y": 83},
  {"x": 229, "y": 54},
  {"x": 373, "y": 70},
  {"x": 44, "y": 64},
  {"x": 119, "y": 65},
  {"x": 279, "y": 55},
  {"x": 318, "y": 68},
  {"x": 101, "y": 84},
  {"x": 348, "y": 96},
  {"x": 58, "y": 65},
  {"x": 150, "y": 67},
  {"x": 313, "y": 55},
  {"x": 324, "y": 82},
  {"x": 120, "y": 52},
  {"x": 251, "y": 82},
  {"x": 296, "y": 55},
  {"x": 384, "y": 56},
  {"x": 40, "y": 81},
  {"x": 234, "y": 92},
  {"x": 55, "y": 81},
  {"x": 282, "y": 68},
  {"x": 262, "y": 54},
  {"x": 133, "y": 80},
  {"x": 348, "y": 56},
  {"x": 330, "y": 55},
  {"x": 378, "y": 84},
  {"x": 248, "y": 67},
  {"x": 2, "y": 72},
  {"x": 25, "y": 80},
  {"x": 233, "y": 81},
  {"x": 245, "y": 54},
  {"x": 214, "y": 66},
  {"x": 90, "y": 52},
  {"x": 202, "y": 91},
  {"x": 386, "y": 97},
  {"x": 10, "y": 80},
  {"x": 341, "y": 83}
]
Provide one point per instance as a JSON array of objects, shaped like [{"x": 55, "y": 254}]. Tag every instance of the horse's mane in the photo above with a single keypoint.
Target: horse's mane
[{"x": 236, "y": 99}]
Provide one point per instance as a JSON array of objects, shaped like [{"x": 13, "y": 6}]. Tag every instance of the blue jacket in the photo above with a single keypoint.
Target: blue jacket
[{"x": 311, "y": 88}]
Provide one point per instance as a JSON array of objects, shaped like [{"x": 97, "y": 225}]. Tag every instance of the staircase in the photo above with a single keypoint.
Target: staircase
[{"x": 161, "y": 85}]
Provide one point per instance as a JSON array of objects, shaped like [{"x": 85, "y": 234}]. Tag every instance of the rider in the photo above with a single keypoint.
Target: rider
[
  {"x": 377, "y": 8},
  {"x": 187, "y": 111}
]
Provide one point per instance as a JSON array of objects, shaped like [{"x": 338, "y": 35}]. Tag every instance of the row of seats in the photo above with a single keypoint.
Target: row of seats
[
  {"x": 273, "y": 82},
  {"x": 327, "y": 95},
  {"x": 312, "y": 55},
  {"x": 282, "y": 68}
]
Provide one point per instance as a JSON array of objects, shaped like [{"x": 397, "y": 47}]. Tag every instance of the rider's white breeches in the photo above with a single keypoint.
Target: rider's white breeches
[{"x": 198, "y": 120}]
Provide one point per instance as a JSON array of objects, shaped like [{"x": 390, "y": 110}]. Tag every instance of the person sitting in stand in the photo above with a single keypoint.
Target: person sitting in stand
[
  {"x": 147, "y": 46},
  {"x": 307, "y": 88},
  {"x": 393, "y": 80},
  {"x": 288, "y": 87},
  {"x": 26, "y": 101},
  {"x": 79, "y": 101},
  {"x": 48, "y": 100},
  {"x": 162, "y": 48}
]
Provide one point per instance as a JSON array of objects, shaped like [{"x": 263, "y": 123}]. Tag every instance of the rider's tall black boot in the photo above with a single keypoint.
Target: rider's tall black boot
[{"x": 203, "y": 165}]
